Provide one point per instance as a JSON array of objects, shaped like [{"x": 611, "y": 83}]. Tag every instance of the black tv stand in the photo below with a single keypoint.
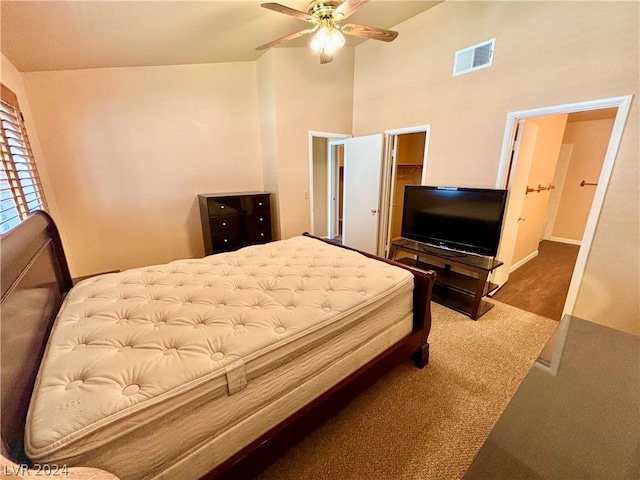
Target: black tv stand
[{"x": 461, "y": 280}]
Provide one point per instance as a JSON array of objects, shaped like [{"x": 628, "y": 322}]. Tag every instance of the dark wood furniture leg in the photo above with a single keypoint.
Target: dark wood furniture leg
[
  {"x": 392, "y": 252},
  {"x": 421, "y": 356},
  {"x": 477, "y": 300}
]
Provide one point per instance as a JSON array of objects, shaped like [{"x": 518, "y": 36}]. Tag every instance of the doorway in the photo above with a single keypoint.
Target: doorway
[
  {"x": 562, "y": 150},
  {"x": 356, "y": 189},
  {"x": 324, "y": 149},
  {"x": 405, "y": 164},
  {"x": 335, "y": 190},
  {"x": 517, "y": 167}
]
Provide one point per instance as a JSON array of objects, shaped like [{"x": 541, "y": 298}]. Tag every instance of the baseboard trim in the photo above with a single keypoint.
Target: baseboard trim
[
  {"x": 570, "y": 241},
  {"x": 517, "y": 265}
]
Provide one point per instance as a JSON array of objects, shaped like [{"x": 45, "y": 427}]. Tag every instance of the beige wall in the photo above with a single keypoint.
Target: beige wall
[
  {"x": 590, "y": 141},
  {"x": 267, "y": 112},
  {"x": 308, "y": 97},
  {"x": 547, "y": 53},
  {"x": 556, "y": 194},
  {"x": 541, "y": 171},
  {"x": 128, "y": 150},
  {"x": 180, "y": 130}
]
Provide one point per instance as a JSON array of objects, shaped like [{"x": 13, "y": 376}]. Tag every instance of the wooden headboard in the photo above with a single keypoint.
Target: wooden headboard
[{"x": 34, "y": 279}]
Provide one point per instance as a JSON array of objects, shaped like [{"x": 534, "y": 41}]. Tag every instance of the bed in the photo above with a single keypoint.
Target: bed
[{"x": 200, "y": 368}]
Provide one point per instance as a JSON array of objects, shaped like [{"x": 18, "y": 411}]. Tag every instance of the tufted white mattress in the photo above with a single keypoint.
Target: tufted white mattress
[{"x": 180, "y": 359}]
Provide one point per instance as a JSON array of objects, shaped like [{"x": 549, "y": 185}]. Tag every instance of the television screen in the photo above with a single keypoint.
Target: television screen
[{"x": 466, "y": 219}]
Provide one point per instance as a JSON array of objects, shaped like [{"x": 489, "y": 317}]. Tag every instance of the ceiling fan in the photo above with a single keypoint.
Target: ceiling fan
[{"x": 325, "y": 15}]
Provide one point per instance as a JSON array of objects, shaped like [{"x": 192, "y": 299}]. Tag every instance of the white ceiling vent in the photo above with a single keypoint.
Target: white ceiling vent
[{"x": 474, "y": 58}]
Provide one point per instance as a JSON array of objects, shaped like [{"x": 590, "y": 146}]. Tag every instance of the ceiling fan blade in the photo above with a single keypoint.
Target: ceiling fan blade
[
  {"x": 285, "y": 39},
  {"x": 276, "y": 7},
  {"x": 369, "y": 32},
  {"x": 347, "y": 7},
  {"x": 325, "y": 57}
]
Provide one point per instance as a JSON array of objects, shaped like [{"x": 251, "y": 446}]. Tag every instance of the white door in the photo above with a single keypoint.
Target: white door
[
  {"x": 520, "y": 167},
  {"x": 362, "y": 174}
]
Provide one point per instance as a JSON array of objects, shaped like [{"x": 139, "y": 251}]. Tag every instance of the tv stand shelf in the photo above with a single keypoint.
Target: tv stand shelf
[{"x": 461, "y": 280}]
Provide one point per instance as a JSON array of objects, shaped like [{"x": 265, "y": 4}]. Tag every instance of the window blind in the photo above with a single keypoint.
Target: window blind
[{"x": 20, "y": 187}]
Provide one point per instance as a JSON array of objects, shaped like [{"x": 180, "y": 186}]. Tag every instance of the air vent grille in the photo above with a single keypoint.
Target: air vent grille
[{"x": 474, "y": 57}]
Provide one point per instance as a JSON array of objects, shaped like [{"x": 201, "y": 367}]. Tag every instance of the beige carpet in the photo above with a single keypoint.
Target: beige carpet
[{"x": 429, "y": 423}]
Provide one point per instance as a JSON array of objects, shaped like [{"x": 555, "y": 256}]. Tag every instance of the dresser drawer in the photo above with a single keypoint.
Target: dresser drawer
[
  {"x": 225, "y": 243},
  {"x": 259, "y": 227},
  {"x": 224, "y": 206},
  {"x": 226, "y": 225},
  {"x": 257, "y": 203},
  {"x": 259, "y": 237}
]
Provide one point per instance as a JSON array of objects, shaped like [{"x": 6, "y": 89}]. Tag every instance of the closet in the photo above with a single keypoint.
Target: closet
[{"x": 408, "y": 166}]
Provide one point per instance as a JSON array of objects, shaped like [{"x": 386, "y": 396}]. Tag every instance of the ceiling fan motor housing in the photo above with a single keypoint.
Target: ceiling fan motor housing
[{"x": 323, "y": 8}]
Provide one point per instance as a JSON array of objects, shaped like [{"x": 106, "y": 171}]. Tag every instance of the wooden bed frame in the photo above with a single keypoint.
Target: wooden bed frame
[{"x": 34, "y": 281}]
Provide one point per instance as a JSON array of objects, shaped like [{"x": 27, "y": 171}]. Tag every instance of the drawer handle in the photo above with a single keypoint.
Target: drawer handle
[
  {"x": 262, "y": 234},
  {"x": 225, "y": 240},
  {"x": 221, "y": 206},
  {"x": 261, "y": 219},
  {"x": 224, "y": 223},
  {"x": 259, "y": 204}
]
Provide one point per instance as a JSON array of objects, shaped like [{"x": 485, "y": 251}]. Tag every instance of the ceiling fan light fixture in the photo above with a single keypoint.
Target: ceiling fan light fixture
[
  {"x": 328, "y": 39},
  {"x": 328, "y": 34}
]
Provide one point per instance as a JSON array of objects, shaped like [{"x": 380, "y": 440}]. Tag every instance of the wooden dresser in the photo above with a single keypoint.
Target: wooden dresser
[{"x": 234, "y": 220}]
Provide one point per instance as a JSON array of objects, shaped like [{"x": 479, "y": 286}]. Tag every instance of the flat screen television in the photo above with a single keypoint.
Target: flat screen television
[{"x": 464, "y": 219}]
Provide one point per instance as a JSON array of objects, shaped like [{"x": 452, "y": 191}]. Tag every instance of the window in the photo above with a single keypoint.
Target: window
[{"x": 20, "y": 187}]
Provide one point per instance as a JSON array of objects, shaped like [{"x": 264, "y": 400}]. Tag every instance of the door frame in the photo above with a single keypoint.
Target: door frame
[
  {"x": 328, "y": 136},
  {"x": 505, "y": 172},
  {"x": 333, "y": 186},
  {"x": 389, "y": 167}
]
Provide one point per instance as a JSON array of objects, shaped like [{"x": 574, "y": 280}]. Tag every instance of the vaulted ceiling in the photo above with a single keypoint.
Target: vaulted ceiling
[{"x": 66, "y": 35}]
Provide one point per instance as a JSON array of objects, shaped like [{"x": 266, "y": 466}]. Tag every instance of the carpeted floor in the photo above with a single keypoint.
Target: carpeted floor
[
  {"x": 541, "y": 284},
  {"x": 426, "y": 424}
]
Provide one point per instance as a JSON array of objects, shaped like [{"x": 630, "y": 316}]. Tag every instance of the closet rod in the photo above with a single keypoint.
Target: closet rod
[
  {"x": 539, "y": 189},
  {"x": 583, "y": 183}
]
